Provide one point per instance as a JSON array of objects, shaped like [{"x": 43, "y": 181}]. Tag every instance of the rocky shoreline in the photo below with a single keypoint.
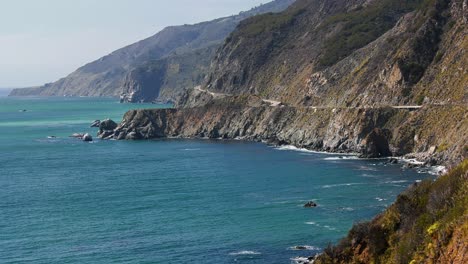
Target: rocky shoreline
[{"x": 370, "y": 132}]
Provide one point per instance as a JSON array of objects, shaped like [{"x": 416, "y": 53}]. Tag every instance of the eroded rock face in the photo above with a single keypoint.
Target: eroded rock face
[
  {"x": 376, "y": 144},
  {"x": 376, "y": 132},
  {"x": 106, "y": 128}
]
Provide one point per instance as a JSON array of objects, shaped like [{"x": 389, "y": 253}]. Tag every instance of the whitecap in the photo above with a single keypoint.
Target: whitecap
[
  {"x": 294, "y": 148},
  {"x": 189, "y": 149},
  {"x": 244, "y": 252},
  {"x": 365, "y": 168},
  {"x": 301, "y": 260},
  {"x": 393, "y": 182},
  {"x": 341, "y": 185},
  {"x": 342, "y": 158},
  {"x": 438, "y": 170},
  {"x": 329, "y": 228},
  {"x": 311, "y": 223}
]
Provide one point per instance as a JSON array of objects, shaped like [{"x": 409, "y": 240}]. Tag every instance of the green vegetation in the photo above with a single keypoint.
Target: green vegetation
[
  {"x": 268, "y": 22},
  {"x": 420, "y": 99},
  {"x": 362, "y": 26},
  {"x": 442, "y": 147},
  {"x": 417, "y": 228}
]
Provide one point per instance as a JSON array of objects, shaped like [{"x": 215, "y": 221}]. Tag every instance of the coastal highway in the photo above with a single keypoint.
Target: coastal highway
[{"x": 274, "y": 103}]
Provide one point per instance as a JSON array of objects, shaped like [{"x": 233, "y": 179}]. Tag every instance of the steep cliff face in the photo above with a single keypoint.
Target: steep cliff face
[
  {"x": 349, "y": 53},
  {"x": 372, "y": 132},
  {"x": 166, "y": 79},
  {"x": 105, "y": 76}
]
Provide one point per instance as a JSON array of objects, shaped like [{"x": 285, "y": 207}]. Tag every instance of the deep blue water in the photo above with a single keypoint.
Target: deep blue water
[{"x": 169, "y": 201}]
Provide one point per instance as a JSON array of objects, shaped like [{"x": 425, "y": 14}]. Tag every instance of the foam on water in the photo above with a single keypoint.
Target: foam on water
[
  {"x": 294, "y": 148},
  {"x": 244, "y": 252}
]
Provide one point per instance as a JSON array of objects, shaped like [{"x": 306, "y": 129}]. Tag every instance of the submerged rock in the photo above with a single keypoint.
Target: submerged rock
[{"x": 310, "y": 205}]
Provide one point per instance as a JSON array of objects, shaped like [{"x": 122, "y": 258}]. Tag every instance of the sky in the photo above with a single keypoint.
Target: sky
[{"x": 44, "y": 40}]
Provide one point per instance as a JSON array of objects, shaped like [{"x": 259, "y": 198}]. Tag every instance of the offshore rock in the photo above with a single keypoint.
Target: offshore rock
[
  {"x": 310, "y": 205},
  {"x": 87, "y": 138},
  {"x": 106, "y": 128}
]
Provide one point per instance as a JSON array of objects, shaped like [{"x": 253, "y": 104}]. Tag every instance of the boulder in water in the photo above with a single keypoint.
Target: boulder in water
[
  {"x": 87, "y": 137},
  {"x": 310, "y": 205}
]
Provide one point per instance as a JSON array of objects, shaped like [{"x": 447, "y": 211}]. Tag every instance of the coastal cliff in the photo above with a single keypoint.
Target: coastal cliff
[
  {"x": 372, "y": 132},
  {"x": 402, "y": 90}
]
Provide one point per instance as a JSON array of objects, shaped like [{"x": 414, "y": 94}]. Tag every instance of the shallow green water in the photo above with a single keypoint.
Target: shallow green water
[{"x": 169, "y": 201}]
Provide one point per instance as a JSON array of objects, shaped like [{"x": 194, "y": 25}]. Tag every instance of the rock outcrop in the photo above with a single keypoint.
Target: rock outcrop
[
  {"x": 310, "y": 205},
  {"x": 87, "y": 138},
  {"x": 106, "y": 129}
]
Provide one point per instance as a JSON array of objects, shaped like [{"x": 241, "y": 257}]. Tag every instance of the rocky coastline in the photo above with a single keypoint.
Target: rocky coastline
[{"x": 370, "y": 132}]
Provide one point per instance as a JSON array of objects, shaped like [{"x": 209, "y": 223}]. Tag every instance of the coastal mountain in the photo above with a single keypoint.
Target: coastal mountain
[
  {"x": 149, "y": 67},
  {"x": 379, "y": 78}
]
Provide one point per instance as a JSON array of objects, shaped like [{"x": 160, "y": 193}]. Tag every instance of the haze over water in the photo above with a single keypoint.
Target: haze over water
[{"x": 169, "y": 201}]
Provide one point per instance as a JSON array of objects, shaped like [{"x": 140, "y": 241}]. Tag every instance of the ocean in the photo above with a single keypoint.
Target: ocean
[{"x": 172, "y": 200}]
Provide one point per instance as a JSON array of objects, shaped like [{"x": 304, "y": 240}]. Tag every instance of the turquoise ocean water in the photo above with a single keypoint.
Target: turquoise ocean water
[{"x": 169, "y": 201}]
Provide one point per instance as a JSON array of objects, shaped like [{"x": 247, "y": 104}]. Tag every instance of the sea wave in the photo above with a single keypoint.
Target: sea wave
[
  {"x": 244, "y": 252},
  {"x": 319, "y": 225},
  {"x": 328, "y": 186},
  {"x": 342, "y": 158},
  {"x": 191, "y": 149},
  {"x": 294, "y": 148},
  {"x": 301, "y": 260}
]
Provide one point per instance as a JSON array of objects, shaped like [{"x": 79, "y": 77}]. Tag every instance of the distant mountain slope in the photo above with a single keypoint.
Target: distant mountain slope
[
  {"x": 105, "y": 77},
  {"x": 5, "y": 91}
]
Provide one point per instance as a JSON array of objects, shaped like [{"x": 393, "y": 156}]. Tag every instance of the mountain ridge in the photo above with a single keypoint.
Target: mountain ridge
[{"x": 105, "y": 76}]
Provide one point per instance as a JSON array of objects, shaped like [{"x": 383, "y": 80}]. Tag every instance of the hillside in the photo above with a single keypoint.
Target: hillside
[
  {"x": 106, "y": 76},
  {"x": 349, "y": 53},
  {"x": 427, "y": 224}
]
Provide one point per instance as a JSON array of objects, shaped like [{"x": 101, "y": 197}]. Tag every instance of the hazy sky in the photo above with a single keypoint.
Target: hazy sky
[{"x": 44, "y": 40}]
